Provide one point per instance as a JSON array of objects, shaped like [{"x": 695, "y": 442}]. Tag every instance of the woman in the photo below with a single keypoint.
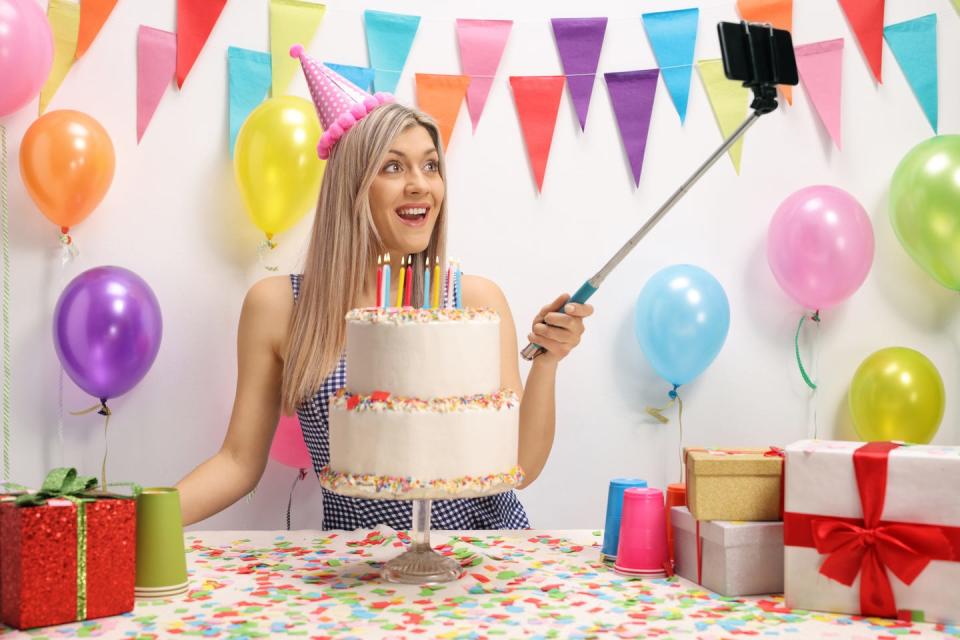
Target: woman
[{"x": 383, "y": 192}]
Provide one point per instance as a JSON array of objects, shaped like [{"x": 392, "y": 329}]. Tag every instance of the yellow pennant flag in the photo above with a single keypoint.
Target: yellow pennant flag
[
  {"x": 291, "y": 22},
  {"x": 729, "y": 100},
  {"x": 64, "y": 17}
]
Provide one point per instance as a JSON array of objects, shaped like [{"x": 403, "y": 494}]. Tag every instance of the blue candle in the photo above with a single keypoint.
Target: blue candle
[
  {"x": 426, "y": 285},
  {"x": 386, "y": 283},
  {"x": 458, "y": 294}
]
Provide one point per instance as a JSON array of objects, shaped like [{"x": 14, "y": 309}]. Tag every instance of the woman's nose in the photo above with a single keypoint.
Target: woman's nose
[{"x": 416, "y": 182}]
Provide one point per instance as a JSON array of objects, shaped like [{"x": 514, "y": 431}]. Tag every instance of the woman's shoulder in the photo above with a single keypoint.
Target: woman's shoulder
[
  {"x": 270, "y": 299},
  {"x": 481, "y": 292}
]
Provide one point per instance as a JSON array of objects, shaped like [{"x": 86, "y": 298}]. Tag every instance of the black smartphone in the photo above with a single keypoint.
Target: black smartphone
[{"x": 757, "y": 54}]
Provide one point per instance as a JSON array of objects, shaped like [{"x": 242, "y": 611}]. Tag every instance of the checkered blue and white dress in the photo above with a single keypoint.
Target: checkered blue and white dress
[{"x": 501, "y": 511}]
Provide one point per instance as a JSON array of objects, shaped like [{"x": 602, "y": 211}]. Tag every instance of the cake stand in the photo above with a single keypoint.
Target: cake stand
[{"x": 420, "y": 564}]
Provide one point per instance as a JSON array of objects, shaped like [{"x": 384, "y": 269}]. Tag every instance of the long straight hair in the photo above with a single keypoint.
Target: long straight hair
[{"x": 344, "y": 246}]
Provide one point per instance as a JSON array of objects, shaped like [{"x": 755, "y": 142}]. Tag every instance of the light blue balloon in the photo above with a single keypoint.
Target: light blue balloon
[{"x": 681, "y": 322}]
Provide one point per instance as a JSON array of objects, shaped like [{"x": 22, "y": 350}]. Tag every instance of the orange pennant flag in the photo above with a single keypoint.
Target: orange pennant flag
[
  {"x": 441, "y": 97},
  {"x": 93, "y": 13},
  {"x": 538, "y": 100},
  {"x": 778, "y": 13}
]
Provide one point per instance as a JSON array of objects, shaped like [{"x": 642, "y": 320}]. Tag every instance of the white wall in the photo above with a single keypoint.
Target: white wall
[{"x": 174, "y": 216}]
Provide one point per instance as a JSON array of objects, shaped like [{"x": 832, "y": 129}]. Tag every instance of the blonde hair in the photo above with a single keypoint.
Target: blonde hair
[{"x": 344, "y": 246}]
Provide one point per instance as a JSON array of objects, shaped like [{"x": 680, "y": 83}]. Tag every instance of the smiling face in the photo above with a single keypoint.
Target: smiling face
[{"x": 406, "y": 195}]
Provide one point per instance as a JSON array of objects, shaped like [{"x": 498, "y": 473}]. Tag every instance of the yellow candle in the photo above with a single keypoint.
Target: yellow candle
[
  {"x": 400, "y": 287},
  {"x": 436, "y": 284}
]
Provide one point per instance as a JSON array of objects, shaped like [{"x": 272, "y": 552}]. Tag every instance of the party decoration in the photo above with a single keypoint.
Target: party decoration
[
  {"x": 441, "y": 97},
  {"x": 481, "y": 45},
  {"x": 275, "y": 163},
  {"x": 93, "y": 13},
  {"x": 820, "y": 246},
  {"x": 914, "y": 45},
  {"x": 538, "y": 100},
  {"x": 776, "y": 13},
  {"x": 64, "y": 17},
  {"x": 66, "y": 163},
  {"x": 389, "y": 39},
  {"x": 681, "y": 322},
  {"x": 924, "y": 194},
  {"x": 819, "y": 65},
  {"x": 729, "y": 101},
  {"x": 866, "y": 20},
  {"x": 897, "y": 394},
  {"x": 291, "y": 22},
  {"x": 360, "y": 76},
  {"x": 195, "y": 20},
  {"x": 249, "y": 77},
  {"x": 579, "y": 41},
  {"x": 107, "y": 330},
  {"x": 673, "y": 36},
  {"x": 288, "y": 447},
  {"x": 156, "y": 63},
  {"x": 26, "y": 52},
  {"x": 632, "y": 94}
]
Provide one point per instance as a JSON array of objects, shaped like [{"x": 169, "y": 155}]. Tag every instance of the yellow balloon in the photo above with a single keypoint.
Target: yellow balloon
[
  {"x": 897, "y": 394},
  {"x": 275, "y": 162}
]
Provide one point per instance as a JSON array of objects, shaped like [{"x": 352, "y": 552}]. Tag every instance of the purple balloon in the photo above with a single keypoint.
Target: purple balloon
[{"x": 107, "y": 330}]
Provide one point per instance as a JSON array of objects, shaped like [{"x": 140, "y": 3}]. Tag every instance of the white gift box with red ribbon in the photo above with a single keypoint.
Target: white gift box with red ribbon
[{"x": 873, "y": 529}]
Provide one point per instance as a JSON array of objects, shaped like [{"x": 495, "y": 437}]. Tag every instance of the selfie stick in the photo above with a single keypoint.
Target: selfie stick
[{"x": 764, "y": 101}]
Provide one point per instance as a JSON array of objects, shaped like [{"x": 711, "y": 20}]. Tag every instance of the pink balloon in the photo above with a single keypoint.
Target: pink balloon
[
  {"x": 26, "y": 52},
  {"x": 288, "y": 446},
  {"x": 820, "y": 246}
]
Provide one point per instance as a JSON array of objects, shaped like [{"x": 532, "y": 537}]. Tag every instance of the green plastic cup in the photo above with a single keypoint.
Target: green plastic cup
[{"x": 161, "y": 557}]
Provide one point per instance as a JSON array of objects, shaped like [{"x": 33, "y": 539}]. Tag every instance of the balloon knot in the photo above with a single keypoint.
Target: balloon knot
[
  {"x": 816, "y": 316},
  {"x": 673, "y": 392}
]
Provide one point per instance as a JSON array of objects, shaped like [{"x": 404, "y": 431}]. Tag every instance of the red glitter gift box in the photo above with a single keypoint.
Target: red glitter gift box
[{"x": 41, "y": 581}]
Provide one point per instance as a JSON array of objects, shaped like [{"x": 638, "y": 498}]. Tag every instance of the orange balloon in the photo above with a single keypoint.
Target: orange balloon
[{"x": 66, "y": 163}]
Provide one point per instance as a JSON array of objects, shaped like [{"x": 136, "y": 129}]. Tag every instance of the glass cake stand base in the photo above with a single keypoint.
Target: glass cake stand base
[{"x": 421, "y": 564}]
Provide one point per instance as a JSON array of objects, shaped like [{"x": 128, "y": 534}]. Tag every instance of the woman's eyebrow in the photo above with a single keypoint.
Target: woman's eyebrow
[{"x": 426, "y": 152}]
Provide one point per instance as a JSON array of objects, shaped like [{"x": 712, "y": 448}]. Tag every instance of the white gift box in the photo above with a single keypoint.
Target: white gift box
[
  {"x": 823, "y": 507},
  {"x": 736, "y": 558}
]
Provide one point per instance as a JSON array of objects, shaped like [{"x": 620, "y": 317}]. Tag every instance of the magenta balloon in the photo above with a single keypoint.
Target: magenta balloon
[
  {"x": 107, "y": 330},
  {"x": 26, "y": 53},
  {"x": 820, "y": 246}
]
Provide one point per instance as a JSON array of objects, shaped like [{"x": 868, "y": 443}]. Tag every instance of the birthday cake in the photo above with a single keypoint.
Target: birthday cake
[{"x": 422, "y": 414}]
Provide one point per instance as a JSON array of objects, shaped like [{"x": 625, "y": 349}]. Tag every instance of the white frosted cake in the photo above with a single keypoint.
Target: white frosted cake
[{"x": 422, "y": 414}]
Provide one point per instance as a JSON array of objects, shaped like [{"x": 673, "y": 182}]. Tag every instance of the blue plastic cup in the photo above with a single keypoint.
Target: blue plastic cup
[{"x": 611, "y": 527}]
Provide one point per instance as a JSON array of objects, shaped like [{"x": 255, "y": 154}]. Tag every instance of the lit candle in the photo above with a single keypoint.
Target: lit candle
[
  {"x": 426, "y": 285},
  {"x": 400, "y": 284},
  {"x": 408, "y": 288},
  {"x": 379, "y": 280},
  {"x": 386, "y": 281},
  {"x": 457, "y": 291},
  {"x": 436, "y": 282}
]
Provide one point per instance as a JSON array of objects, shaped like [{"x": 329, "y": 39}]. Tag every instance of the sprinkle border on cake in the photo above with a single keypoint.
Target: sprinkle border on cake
[
  {"x": 334, "y": 480},
  {"x": 415, "y": 315},
  {"x": 384, "y": 401}
]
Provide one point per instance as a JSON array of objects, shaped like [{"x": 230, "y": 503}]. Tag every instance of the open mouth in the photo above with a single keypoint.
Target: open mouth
[{"x": 413, "y": 216}]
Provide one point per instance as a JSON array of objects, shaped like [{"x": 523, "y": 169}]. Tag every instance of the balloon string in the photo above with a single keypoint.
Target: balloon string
[
  {"x": 262, "y": 249},
  {"x": 680, "y": 438},
  {"x": 657, "y": 412},
  {"x": 300, "y": 476},
  {"x": 103, "y": 410},
  {"x": 68, "y": 249},
  {"x": 5, "y": 240},
  {"x": 60, "y": 417},
  {"x": 796, "y": 348}
]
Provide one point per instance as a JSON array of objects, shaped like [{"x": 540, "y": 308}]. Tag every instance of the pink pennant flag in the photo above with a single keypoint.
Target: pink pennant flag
[
  {"x": 156, "y": 64},
  {"x": 481, "y": 46},
  {"x": 819, "y": 65}
]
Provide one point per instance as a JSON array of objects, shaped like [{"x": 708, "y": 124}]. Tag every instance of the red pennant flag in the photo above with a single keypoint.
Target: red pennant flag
[
  {"x": 779, "y": 13},
  {"x": 441, "y": 97},
  {"x": 538, "y": 100},
  {"x": 195, "y": 20},
  {"x": 93, "y": 13},
  {"x": 866, "y": 20}
]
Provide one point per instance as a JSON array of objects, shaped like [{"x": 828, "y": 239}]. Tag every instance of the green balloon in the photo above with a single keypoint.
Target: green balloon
[{"x": 925, "y": 207}]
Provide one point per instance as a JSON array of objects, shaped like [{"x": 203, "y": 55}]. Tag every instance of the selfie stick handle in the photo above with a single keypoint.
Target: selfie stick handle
[{"x": 590, "y": 287}]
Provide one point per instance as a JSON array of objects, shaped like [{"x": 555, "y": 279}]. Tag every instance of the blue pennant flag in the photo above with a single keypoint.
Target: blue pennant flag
[
  {"x": 249, "y": 75},
  {"x": 389, "y": 39},
  {"x": 914, "y": 45},
  {"x": 673, "y": 36},
  {"x": 360, "y": 76}
]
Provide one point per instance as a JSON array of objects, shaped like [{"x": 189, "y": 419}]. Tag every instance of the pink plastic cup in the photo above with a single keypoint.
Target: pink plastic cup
[{"x": 642, "y": 550}]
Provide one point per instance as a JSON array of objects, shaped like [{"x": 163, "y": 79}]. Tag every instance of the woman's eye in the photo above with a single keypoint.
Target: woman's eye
[
  {"x": 391, "y": 167},
  {"x": 432, "y": 165}
]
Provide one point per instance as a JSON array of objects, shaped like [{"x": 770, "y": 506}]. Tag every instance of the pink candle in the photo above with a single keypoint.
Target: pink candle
[
  {"x": 408, "y": 285},
  {"x": 379, "y": 281}
]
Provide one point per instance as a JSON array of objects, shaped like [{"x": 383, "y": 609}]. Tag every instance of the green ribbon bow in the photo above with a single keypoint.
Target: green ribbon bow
[{"x": 62, "y": 482}]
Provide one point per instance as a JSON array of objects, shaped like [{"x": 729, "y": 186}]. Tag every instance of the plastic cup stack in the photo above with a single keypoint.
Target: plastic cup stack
[
  {"x": 611, "y": 527},
  {"x": 642, "y": 550}
]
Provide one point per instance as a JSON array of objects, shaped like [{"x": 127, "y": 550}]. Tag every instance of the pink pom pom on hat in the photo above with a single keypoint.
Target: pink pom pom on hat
[{"x": 340, "y": 103}]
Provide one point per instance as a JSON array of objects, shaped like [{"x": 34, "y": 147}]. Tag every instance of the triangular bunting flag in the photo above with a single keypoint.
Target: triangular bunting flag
[
  {"x": 779, "y": 14},
  {"x": 441, "y": 96},
  {"x": 291, "y": 22},
  {"x": 673, "y": 36},
  {"x": 579, "y": 41},
  {"x": 631, "y": 94},
  {"x": 956, "y": 5},
  {"x": 64, "y": 20},
  {"x": 481, "y": 46},
  {"x": 729, "y": 101},
  {"x": 819, "y": 65},
  {"x": 538, "y": 100},
  {"x": 93, "y": 13},
  {"x": 156, "y": 65},
  {"x": 360, "y": 76},
  {"x": 249, "y": 79},
  {"x": 389, "y": 39},
  {"x": 866, "y": 20},
  {"x": 914, "y": 45},
  {"x": 195, "y": 20}
]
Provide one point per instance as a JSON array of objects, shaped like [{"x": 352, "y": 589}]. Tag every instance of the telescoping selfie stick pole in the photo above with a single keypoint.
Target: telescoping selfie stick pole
[{"x": 764, "y": 101}]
